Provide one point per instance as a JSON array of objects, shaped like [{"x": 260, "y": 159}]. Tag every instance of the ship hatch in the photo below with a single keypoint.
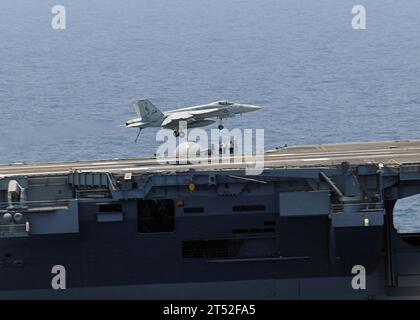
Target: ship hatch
[{"x": 156, "y": 216}]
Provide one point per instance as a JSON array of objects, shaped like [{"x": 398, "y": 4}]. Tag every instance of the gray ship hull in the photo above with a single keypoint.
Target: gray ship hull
[{"x": 293, "y": 232}]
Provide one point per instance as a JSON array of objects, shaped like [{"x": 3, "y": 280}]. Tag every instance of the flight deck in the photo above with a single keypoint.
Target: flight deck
[{"x": 387, "y": 153}]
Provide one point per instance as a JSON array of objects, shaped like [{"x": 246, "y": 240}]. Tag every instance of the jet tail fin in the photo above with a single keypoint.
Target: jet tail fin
[{"x": 146, "y": 110}]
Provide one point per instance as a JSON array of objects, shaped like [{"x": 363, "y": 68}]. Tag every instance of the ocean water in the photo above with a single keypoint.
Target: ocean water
[{"x": 65, "y": 93}]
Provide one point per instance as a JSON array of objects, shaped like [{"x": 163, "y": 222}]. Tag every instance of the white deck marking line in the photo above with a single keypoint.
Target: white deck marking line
[
  {"x": 73, "y": 164},
  {"x": 104, "y": 163},
  {"x": 316, "y": 159},
  {"x": 33, "y": 173},
  {"x": 136, "y": 168},
  {"x": 331, "y": 153},
  {"x": 359, "y": 157}
]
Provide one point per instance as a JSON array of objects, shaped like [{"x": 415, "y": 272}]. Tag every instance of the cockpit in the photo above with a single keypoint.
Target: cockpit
[{"x": 225, "y": 103}]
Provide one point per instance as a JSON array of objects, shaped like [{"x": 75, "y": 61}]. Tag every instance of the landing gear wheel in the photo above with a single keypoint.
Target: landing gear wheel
[
  {"x": 221, "y": 127},
  {"x": 176, "y": 134},
  {"x": 181, "y": 134}
]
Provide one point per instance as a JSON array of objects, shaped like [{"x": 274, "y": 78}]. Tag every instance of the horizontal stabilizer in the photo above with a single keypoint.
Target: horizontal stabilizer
[{"x": 135, "y": 125}]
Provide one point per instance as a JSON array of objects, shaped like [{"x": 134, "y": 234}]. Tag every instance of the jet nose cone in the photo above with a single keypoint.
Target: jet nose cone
[{"x": 251, "y": 107}]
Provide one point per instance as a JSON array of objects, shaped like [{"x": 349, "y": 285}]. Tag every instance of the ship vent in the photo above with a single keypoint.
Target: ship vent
[
  {"x": 253, "y": 207},
  {"x": 269, "y": 223},
  {"x": 253, "y": 230},
  {"x": 211, "y": 248},
  {"x": 194, "y": 210}
]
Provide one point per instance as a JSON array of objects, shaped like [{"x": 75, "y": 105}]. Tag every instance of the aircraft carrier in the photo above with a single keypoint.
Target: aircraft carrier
[{"x": 136, "y": 228}]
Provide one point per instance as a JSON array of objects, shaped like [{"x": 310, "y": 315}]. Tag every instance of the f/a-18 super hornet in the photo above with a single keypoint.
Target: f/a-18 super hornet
[{"x": 148, "y": 115}]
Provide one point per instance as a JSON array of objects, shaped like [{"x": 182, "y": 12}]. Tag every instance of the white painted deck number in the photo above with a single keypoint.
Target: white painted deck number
[
  {"x": 58, "y": 22},
  {"x": 58, "y": 282}
]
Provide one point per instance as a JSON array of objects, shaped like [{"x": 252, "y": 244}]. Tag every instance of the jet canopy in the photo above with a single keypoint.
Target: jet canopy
[{"x": 224, "y": 103}]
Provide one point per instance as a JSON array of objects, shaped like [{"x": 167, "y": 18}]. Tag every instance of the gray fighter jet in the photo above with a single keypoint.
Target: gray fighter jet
[{"x": 148, "y": 115}]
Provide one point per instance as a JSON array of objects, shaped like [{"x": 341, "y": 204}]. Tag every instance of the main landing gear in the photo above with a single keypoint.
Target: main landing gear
[
  {"x": 221, "y": 127},
  {"x": 179, "y": 134}
]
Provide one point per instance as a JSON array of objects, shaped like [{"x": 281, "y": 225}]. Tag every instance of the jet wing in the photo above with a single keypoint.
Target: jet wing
[{"x": 174, "y": 118}]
